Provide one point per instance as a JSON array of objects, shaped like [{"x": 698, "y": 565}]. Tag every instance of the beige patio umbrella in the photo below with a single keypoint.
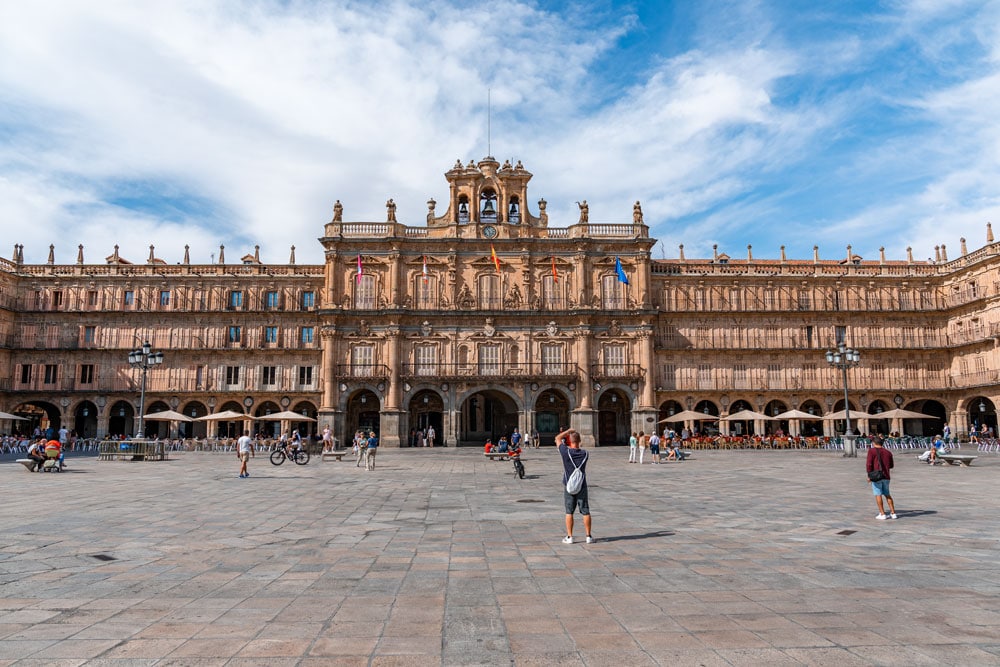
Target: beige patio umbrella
[
  {"x": 224, "y": 416},
  {"x": 167, "y": 415},
  {"x": 689, "y": 415},
  {"x": 855, "y": 414},
  {"x": 899, "y": 413},
  {"x": 286, "y": 416},
  {"x": 798, "y": 414},
  {"x": 745, "y": 415},
  {"x": 7, "y": 415}
]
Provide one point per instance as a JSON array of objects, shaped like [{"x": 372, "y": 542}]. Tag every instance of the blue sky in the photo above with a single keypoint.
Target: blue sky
[{"x": 208, "y": 122}]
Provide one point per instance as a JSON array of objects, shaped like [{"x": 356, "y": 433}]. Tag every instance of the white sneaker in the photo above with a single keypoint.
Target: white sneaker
[
  {"x": 893, "y": 516},
  {"x": 590, "y": 540},
  {"x": 881, "y": 517},
  {"x": 569, "y": 539}
]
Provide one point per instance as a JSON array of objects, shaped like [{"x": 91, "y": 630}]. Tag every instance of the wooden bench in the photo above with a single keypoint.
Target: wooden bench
[
  {"x": 338, "y": 455},
  {"x": 964, "y": 460},
  {"x": 30, "y": 464}
]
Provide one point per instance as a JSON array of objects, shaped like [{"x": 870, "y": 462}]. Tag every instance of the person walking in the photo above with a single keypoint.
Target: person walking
[
  {"x": 245, "y": 451},
  {"x": 573, "y": 457},
  {"x": 372, "y": 449},
  {"x": 880, "y": 458},
  {"x": 430, "y": 435},
  {"x": 633, "y": 446},
  {"x": 360, "y": 448}
]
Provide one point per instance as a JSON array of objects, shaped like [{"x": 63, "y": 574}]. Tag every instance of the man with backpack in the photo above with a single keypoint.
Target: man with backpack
[{"x": 574, "y": 478}]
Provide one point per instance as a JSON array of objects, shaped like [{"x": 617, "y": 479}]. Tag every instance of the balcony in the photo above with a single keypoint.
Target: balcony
[
  {"x": 360, "y": 371},
  {"x": 616, "y": 372},
  {"x": 553, "y": 371}
]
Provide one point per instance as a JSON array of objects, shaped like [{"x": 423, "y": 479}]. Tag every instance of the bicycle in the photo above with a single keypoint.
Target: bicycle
[
  {"x": 518, "y": 466},
  {"x": 297, "y": 455}
]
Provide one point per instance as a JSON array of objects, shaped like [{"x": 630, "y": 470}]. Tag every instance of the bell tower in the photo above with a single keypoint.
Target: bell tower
[{"x": 487, "y": 193}]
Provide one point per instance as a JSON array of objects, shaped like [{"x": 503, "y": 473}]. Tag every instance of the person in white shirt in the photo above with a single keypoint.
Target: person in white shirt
[{"x": 245, "y": 451}]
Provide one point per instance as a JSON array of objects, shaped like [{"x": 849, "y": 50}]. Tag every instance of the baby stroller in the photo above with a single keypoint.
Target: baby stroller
[{"x": 53, "y": 457}]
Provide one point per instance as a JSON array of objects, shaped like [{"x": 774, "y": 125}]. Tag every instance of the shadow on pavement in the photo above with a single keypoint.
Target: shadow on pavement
[{"x": 643, "y": 536}]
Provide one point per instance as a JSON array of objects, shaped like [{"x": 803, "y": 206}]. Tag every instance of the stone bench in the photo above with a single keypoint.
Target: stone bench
[
  {"x": 493, "y": 456},
  {"x": 964, "y": 460},
  {"x": 338, "y": 455},
  {"x": 30, "y": 464}
]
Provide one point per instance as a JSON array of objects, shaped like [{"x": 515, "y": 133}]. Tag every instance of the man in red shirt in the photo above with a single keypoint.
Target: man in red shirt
[{"x": 880, "y": 458}]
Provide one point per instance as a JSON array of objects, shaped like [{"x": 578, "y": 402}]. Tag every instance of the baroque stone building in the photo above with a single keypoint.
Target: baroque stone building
[{"x": 486, "y": 317}]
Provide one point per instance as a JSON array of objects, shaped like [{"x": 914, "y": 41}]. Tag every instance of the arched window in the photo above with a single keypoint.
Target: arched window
[
  {"x": 552, "y": 293},
  {"x": 552, "y": 359},
  {"x": 614, "y": 360},
  {"x": 364, "y": 292},
  {"x": 463, "y": 209},
  {"x": 426, "y": 359},
  {"x": 489, "y": 360},
  {"x": 425, "y": 290},
  {"x": 514, "y": 211},
  {"x": 612, "y": 294},
  {"x": 488, "y": 206},
  {"x": 362, "y": 361},
  {"x": 489, "y": 292}
]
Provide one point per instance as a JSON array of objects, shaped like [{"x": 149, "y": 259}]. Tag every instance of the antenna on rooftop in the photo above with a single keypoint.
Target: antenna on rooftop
[{"x": 489, "y": 111}]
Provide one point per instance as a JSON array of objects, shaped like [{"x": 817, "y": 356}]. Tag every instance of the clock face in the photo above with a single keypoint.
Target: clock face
[{"x": 489, "y": 231}]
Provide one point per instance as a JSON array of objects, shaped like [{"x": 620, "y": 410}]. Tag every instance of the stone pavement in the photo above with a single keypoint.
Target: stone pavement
[{"x": 439, "y": 557}]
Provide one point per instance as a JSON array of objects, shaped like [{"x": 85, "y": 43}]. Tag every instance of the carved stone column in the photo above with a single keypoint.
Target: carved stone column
[
  {"x": 326, "y": 333},
  {"x": 394, "y": 271}
]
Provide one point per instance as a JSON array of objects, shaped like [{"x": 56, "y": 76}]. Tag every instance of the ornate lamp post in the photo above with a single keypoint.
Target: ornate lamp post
[
  {"x": 144, "y": 359},
  {"x": 843, "y": 358}
]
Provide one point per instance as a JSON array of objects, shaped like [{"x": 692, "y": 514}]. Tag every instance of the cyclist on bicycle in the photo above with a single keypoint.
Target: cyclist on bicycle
[{"x": 294, "y": 444}]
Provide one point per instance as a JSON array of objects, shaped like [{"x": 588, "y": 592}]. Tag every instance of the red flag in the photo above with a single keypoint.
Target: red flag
[
  {"x": 426, "y": 274},
  {"x": 496, "y": 260},
  {"x": 360, "y": 270},
  {"x": 555, "y": 274}
]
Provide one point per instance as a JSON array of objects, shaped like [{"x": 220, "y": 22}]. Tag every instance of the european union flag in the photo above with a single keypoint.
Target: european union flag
[{"x": 620, "y": 271}]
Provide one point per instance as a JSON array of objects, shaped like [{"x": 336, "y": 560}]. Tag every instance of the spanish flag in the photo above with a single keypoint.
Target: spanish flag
[
  {"x": 555, "y": 274},
  {"x": 360, "y": 270},
  {"x": 426, "y": 274},
  {"x": 496, "y": 260}
]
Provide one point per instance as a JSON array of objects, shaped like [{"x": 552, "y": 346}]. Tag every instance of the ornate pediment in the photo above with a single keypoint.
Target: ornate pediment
[{"x": 615, "y": 330}]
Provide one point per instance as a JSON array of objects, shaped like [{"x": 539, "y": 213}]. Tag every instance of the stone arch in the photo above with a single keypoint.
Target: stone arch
[
  {"x": 306, "y": 427},
  {"x": 40, "y": 414},
  {"x": 487, "y": 413},
  {"x": 121, "y": 418},
  {"x": 195, "y": 429},
  {"x": 424, "y": 410},
  {"x": 362, "y": 410},
  {"x": 614, "y": 416},
  {"x": 85, "y": 419},
  {"x": 552, "y": 411},
  {"x": 982, "y": 412}
]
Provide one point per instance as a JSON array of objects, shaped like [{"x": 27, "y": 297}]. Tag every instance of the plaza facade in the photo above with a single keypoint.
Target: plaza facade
[{"x": 488, "y": 316}]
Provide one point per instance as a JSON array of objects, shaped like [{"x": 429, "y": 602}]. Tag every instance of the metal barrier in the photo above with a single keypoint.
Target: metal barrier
[{"x": 131, "y": 450}]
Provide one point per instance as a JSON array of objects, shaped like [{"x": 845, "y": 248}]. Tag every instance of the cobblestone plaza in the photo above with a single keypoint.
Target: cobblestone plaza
[{"x": 441, "y": 558}]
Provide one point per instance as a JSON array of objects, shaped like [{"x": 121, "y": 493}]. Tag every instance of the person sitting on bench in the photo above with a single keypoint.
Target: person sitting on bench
[
  {"x": 932, "y": 455},
  {"x": 37, "y": 452}
]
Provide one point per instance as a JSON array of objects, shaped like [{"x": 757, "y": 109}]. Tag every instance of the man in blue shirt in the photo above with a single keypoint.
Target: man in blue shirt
[
  {"x": 573, "y": 457},
  {"x": 372, "y": 449}
]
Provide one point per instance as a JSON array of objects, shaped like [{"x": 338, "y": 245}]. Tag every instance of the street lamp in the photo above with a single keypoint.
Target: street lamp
[
  {"x": 843, "y": 358},
  {"x": 144, "y": 359}
]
